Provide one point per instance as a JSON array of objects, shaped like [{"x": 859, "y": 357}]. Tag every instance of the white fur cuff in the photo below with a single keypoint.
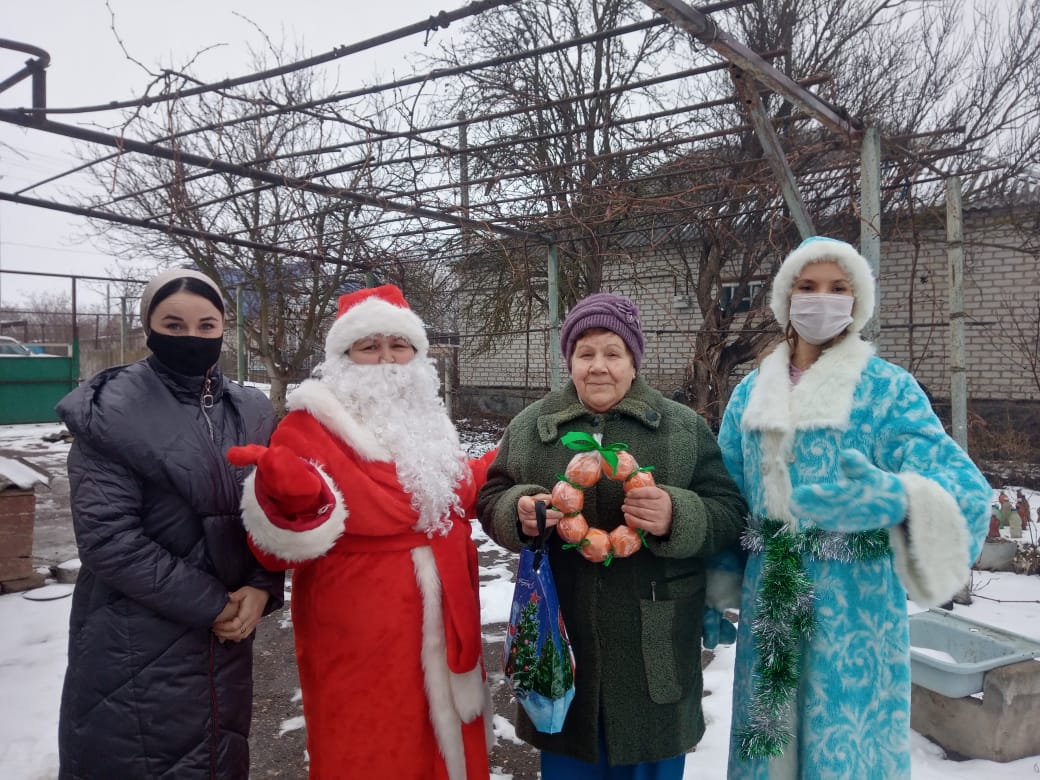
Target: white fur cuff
[
  {"x": 931, "y": 551},
  {"x": 468, "y": 692},
  {"x": 289, "y": 545}
]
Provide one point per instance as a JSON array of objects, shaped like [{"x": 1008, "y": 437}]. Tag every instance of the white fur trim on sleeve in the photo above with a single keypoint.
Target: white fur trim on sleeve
[
  {"x": 285, "y": 543},
  {"x": 931, "y": 548},
  {"x": 468, "y": 692}
]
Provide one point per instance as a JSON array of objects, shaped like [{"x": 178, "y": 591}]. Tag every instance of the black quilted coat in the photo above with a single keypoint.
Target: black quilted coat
[{"x": 149, "y": 691}]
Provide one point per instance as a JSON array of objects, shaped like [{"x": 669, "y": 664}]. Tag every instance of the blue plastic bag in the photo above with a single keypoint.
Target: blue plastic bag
[{"x": 539, "y": 662}]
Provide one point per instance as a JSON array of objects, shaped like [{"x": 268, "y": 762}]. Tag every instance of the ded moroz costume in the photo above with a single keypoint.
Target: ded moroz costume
[{"x": 365, "y": 494}]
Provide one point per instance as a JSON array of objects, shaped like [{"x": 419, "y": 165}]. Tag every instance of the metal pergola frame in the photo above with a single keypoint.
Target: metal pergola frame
[{"x": 419, "y": 211}]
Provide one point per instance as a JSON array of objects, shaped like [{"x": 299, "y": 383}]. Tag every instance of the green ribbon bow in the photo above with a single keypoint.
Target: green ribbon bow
[{"x": 584, "y": 442}]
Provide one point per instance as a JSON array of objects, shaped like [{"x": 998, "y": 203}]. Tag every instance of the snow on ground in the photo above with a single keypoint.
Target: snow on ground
[{"x": 32, "y": 655}]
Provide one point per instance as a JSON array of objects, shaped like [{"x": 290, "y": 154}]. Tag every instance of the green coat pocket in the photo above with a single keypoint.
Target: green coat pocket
[{"x": 671, "y": 647}]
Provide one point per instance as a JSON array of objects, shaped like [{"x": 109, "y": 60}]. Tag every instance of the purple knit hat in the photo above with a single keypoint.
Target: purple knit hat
[{"x": 615, "y": 313}]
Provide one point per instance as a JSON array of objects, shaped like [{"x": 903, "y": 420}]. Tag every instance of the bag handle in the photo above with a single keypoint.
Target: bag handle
[{"x": 543, "y": 534}]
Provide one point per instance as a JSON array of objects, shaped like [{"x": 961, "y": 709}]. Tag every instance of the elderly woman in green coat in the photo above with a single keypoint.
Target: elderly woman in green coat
[{"x": 634, "y": 625}]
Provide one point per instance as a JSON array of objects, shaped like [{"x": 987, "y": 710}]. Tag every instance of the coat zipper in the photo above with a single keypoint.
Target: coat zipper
[{"x": 206, "y": 402}]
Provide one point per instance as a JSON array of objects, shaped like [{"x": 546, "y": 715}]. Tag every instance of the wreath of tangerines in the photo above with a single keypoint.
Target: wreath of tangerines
[{"x": 590, "y": 461}]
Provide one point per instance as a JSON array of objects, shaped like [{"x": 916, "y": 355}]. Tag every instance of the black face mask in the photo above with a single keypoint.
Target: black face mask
[{"x": 188, "y": 355}]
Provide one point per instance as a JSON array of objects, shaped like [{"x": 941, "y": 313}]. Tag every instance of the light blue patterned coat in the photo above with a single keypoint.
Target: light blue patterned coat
[{"x": 851, "y": 714}]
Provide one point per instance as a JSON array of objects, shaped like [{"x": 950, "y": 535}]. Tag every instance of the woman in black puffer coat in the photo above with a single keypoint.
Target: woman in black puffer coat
[{"x": 159, "y": 680}]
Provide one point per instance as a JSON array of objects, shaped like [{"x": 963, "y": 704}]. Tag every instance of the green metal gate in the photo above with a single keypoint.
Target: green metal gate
[{"x": 31, "y": 386}]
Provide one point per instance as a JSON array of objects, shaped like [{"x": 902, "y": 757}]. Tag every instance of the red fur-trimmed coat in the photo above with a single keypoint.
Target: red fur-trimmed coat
[{"x": 386, "y": 620}]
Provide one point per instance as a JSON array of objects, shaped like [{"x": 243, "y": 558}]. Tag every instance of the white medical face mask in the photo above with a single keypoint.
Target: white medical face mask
[{"x": 819, "y": 317}]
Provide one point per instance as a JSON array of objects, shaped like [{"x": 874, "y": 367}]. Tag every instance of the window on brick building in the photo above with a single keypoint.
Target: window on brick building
[{"x": 729, "y": 292}]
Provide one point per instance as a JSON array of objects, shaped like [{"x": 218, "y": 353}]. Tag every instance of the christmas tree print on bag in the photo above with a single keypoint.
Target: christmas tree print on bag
[{"x": 539, "y": 663}]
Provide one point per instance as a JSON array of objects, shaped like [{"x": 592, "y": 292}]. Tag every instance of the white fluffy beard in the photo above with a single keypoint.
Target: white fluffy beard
[{"x": 399, "y": 405}]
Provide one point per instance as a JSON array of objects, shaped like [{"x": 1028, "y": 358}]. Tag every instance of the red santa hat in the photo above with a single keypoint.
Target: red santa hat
[{"x": 375, "y": 310}]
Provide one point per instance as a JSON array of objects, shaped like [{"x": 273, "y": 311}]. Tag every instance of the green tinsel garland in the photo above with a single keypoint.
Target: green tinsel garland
[{"x": 786, "y": 618}]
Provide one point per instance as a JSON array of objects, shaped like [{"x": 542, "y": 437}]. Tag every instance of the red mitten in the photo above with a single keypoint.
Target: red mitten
[
  {"x": 248, "y": 455},
  {"x": 290, "y": 481}
]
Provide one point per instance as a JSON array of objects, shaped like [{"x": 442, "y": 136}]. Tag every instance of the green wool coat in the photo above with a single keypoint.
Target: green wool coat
[{"x": 635, "y": 625}]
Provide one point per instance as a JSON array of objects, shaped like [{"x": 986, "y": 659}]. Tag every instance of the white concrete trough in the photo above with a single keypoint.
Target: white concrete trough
[{"x": 951, "y": 655}]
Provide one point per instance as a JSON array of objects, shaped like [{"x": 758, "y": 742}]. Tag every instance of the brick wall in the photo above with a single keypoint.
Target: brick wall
[
  {"x": 670, "y": 319},
  {"x": 1001, "y": 290}
]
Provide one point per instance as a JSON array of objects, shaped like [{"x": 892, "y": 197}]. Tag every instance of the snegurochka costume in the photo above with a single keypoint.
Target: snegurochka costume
[
  {"x": 386, "y": 618},
  {"x": 858, "y": 498},
  {"x": 634, "y": 625}
]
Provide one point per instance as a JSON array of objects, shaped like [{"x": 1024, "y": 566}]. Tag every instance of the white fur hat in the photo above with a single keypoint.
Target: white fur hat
[
  {"x": 375, "y": 310},
  {"x": 817, "y": 249}
]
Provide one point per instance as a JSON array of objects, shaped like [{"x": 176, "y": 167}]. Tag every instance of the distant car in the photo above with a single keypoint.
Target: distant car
[{"x": 10, "y": 347}]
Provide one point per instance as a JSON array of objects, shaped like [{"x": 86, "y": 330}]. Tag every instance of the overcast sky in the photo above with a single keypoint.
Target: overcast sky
[{"x": 88, "y": 67}]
